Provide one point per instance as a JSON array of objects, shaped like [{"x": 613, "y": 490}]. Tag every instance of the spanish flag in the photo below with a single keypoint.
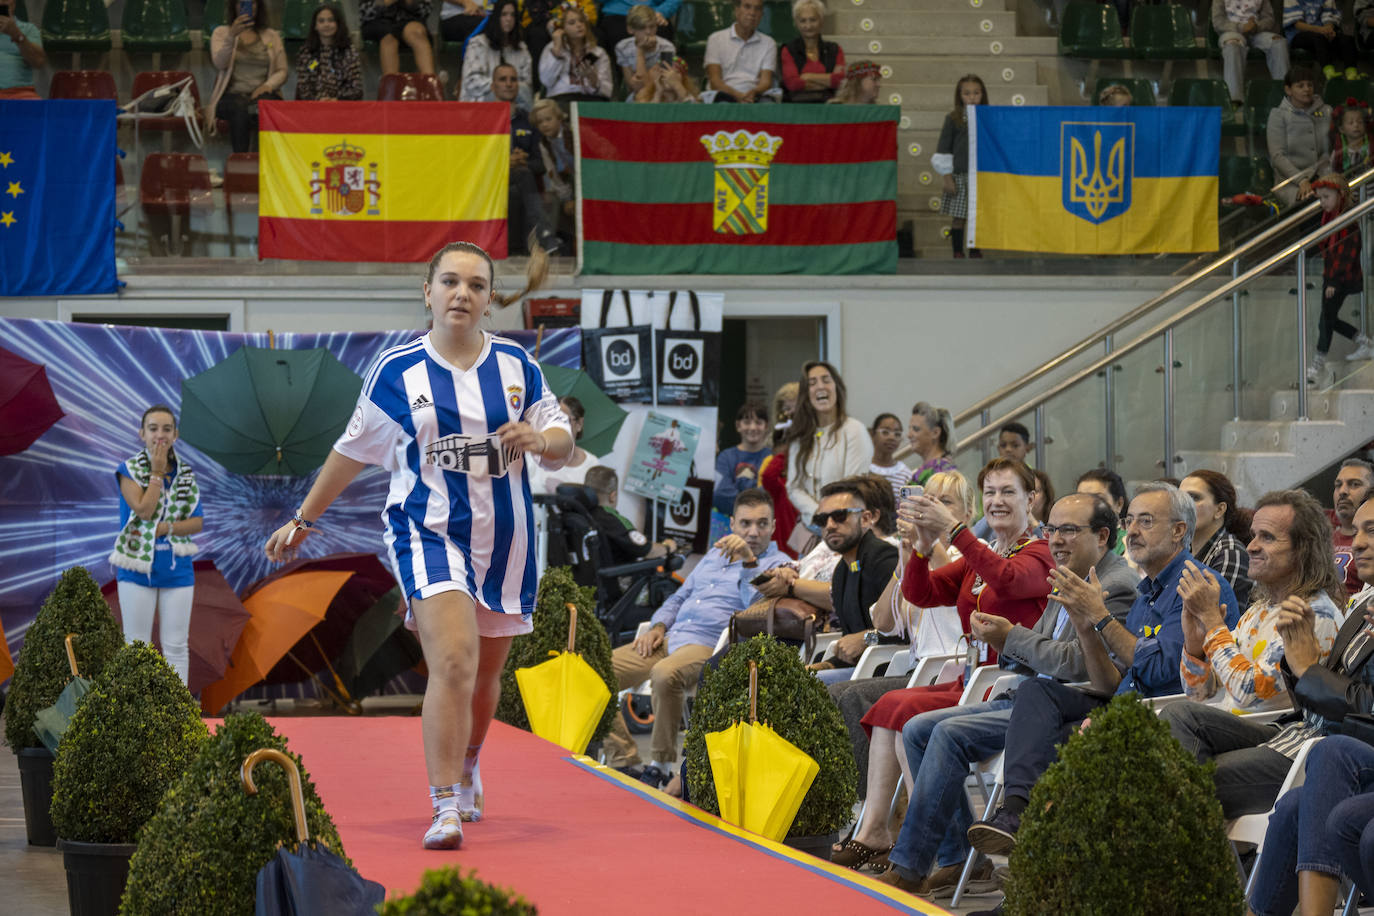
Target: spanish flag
[
  {"x": 1093, "y": 180},
  {"x": 381, "y": 181}
]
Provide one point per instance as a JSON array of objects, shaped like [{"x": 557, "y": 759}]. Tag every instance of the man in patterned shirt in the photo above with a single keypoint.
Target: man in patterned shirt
[{"x": 1252, "y": 760}]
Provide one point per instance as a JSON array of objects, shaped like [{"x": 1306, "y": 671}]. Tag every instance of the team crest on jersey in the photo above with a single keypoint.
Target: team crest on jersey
[
  {"x": 346, "y": 186},
  {"x": 513, "y": 396}
]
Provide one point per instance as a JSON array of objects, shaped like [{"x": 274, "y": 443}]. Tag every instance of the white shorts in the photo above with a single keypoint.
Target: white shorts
[{"x": 489, "y": 623}]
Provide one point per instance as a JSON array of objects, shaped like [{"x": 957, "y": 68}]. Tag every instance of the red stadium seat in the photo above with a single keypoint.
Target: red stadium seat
[
  {"x": 241, "y": 197},
  {"x": 409, "y": 87},
  {"x": 151, "y": 79},
  {"x": 170, "y": 187},
  {"x": 82, "y": 84}
]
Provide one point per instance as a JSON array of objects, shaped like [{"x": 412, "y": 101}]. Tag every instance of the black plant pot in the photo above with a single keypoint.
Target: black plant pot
[
  {"x": 35, "y": 780},
  {"x": 818, "y": 846},
  {"x": 96, "y": 873}
]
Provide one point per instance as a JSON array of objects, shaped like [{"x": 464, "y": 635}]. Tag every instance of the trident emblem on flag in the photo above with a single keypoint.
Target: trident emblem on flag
[
  {"x": 1090, "y": 192},
  {"x": 740, "y": 197}
]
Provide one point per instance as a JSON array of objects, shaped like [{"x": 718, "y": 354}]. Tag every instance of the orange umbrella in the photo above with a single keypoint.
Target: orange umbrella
[{"x": 281, "y": 613}]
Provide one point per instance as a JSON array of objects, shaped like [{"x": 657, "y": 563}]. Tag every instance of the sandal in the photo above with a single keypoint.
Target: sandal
[{"x": 853, "y": 854}]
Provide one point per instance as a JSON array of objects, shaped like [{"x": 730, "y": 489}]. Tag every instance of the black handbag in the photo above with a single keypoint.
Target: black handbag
[
  {"x": 688, "y": 361},
  {"x": 618, "y": 359},
  {"x": 1357, "y": 725}
]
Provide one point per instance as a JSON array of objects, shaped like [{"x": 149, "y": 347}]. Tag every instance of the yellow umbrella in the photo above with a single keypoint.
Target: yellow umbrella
[
  {"x": 761, "y": 777},
  {"x": 564, "y": 696}
]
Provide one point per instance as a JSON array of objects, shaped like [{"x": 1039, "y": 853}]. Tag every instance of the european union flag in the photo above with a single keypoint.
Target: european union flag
[
  {"x": 57, "y": 197},
  {"x": 1093, "y": 180}
]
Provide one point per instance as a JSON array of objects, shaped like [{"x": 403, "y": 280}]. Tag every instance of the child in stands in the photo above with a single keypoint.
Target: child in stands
[
  {"x": 1341, "y": 276},
  {"x": 1315, "y": 26},
  {"x": 1350, "y": 136},
  {"x": 951, "y": 159}
]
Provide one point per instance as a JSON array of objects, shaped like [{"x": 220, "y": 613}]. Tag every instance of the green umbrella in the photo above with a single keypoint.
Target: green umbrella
[
  {"x": 50, "y": 723},
  {"x": 378, "y": 649},
  {"x": 604, "y": 416},
  {"x": 262, "y": 411}
]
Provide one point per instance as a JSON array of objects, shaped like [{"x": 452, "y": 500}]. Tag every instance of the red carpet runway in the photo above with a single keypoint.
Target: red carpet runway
[{"x": 569, "y": 835}]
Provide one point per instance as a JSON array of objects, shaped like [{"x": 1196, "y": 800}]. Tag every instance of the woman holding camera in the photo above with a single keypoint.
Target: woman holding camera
[
  {"x": 251, "y": 61},
  {"x": 572, "y": 67}
]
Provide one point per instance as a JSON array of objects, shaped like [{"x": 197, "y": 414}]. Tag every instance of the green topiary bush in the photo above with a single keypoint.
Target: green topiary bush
[
  {"x": 199, "y": 855},
  {"x": 130, "y": 739},
  {"x": 1124, "y": 822},
  {"x": 798, "y": 707},
  {"x": 447, "y": 892},
  {"x": 75, "y": 606},
  {"x": 550, "y": 634}
]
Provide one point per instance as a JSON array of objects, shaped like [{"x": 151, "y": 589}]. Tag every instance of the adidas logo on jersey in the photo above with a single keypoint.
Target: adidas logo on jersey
[{"x": 420, "y": 403}]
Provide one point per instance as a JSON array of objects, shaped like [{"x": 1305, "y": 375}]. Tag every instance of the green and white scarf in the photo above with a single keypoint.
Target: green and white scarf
[{"x": 134, "y": 547}]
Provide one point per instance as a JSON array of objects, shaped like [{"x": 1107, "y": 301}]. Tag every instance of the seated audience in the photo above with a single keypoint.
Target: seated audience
[
  {"x": 1115, "y": 96},
  {"x": 572, "y": 67},
  {"x": 641, "y": 53},
  {"x": 615, "y": 24},
  {"x": 740, "y": 59},
  {"x": 1108, "y": 485},
  {"x": 540, "y": 17},
  {"x": 811, "y": 68},
  {"x": 862, "y": 83},
  {"x": 1292, "y": 571},
  {"x": 1315, "y": 26},
  {"x": 737, "y": 467},
  {"x": 685, "y": 630},
  {"x": 1297, "y": 135},
  {"x": 526, "y": 214},
  {"x": 862, "y": 568},
  {"x": 627, "y": 542},
  {"x": 928, "y": 434},
  {"x": 391, "y": 23},
  {"x": 1042, "y": 498},
  {"x": 1324, "y": 681},
  {"x": 1222, "y": 529},
  {"x": 250, "y": 61},
  {"x": 555, "y": 148},
  {"x": 887, "y": 438},
  {"x": 327, "y": 67},
  {"x": 1140, "y": 656},
  {"x": 1245, "y": 24},
  {"x": 671, "y": 83},
  {"x": 501, "y": 42},
  {"x": 21, "y": 53},
  {"x": 460, "y": 19},
  {"x": 575, "y": 471},
  {"x": 937, "y": 747},
  {"x": 1354, "y": 486},
  {"x": 1364, "y": 25}
]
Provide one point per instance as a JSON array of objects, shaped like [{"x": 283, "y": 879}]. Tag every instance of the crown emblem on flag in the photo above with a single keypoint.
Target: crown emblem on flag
[
  {"x": 344, "y": 153},
  {"x": 739, "y": 203}
]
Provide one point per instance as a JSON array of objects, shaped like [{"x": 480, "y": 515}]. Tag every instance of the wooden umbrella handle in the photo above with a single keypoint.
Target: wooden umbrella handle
[
  {"x": 753, "y": 691},
  {"x": 71, "y": 654},
  {"x": 572, "y": 625},
  {"x": 293, "y": 776}
]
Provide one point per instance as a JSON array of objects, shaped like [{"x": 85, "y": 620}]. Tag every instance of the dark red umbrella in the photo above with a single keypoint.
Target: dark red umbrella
[
  {"x": 217, "y": 619},
  {"x": 27, "y": 405}
]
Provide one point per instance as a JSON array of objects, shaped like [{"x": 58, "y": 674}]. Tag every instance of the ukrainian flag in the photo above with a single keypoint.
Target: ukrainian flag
[{"x": 1093, "y": 180}]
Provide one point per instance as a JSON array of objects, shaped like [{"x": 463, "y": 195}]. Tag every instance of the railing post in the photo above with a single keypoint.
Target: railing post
[
  {"x": 1235, "y": 344},
  {"x": 1041, "y": 459},
  {"x": 1108, "y": 393},
  {"x": 984, "y": 416},
  {"x": 1168, "y": 403},
  {"x": 1302, "y": 333},
  {"x": 1364, "y": 263}
]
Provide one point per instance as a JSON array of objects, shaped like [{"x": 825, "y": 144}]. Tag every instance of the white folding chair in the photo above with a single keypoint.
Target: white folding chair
[
  {"x": 930, "y": 670},
  {"x": 872, "y": 659},
  {"x": 1250, "y": 828},
  {"x": 822, "y": 648},
  {"x": 900, "y": 663}
]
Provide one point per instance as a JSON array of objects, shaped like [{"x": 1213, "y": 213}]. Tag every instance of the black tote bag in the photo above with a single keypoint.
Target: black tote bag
[
  {"x": 688, "y": 362},
  {"x": 619, "y": 359}
]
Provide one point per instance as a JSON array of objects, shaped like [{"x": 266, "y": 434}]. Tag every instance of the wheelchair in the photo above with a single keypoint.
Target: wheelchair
[{"x": 626, "y": 593}]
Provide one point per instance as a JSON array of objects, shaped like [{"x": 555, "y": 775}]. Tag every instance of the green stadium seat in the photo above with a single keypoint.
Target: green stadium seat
[
  {"x": 1261, "y": 97},
  {"x": 155, "y": 26},
  {"x": 777, "y": 22},
  {"x": 1337, "y": 90},
  {"x": 1142, "y": 90},
  {"x": 75, "y": 25},
  {"x": 1164, "y": 33},
  {"x": 697, "y": 19},
  {"x": 1091, "y": 31},
  {"x": 212, "y": 18},
  {"x": 20, "y": 10},
  {"x": 1207, "y": 93},
  {"x": 1238, "y": 174}
]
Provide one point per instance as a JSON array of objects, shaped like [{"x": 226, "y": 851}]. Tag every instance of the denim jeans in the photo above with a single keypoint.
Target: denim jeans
[
  {"x": 939, "y": 746},
  {"x": 1309, "y": 823},
  {"x": 1248, "y": 776}
]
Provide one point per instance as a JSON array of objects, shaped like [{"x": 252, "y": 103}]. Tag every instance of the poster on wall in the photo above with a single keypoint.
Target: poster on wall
[
  {"x": 662, "y": 459},
  {"x": 687, "y": 519}
]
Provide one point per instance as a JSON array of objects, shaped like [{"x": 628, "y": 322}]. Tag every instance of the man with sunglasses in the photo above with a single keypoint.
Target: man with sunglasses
[{"x": 862, "y": 570}]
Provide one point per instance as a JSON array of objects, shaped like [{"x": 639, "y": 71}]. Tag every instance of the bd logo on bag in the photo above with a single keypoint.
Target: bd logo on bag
[
  {"x": 684, "y": 511},
  {"x": 739, "y": 204},
  {"x": 620, "y": 356},
  {"x": 682, "y": 361}
]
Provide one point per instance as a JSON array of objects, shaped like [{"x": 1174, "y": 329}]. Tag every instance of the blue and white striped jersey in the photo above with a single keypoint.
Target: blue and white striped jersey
[{"x": 459, "y": 508}]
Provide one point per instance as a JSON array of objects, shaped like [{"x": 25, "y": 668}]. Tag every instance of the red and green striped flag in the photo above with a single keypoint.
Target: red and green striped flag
[{"x": 756, "y": 189}]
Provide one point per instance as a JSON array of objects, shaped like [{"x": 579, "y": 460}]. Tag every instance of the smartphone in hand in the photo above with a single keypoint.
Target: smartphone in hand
[{"x": 761, "y": 578}]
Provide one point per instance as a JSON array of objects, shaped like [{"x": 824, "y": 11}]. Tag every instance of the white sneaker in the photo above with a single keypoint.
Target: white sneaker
[
  {"x": 1315, "y": 369},
  {"x": 445, "y": 832},
  {"x": 1364, "y": 349}
]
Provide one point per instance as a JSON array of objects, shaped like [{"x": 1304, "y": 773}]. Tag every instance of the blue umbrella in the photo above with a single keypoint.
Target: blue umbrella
[{"x": 308, "y": 879}]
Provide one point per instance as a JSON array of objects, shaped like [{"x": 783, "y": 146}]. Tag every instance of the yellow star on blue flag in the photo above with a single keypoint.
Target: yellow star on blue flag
[{"x": 57, "y": 199}]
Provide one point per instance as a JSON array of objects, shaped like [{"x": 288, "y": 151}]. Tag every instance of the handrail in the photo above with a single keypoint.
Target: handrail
[
  {"x": 1141, "y": 311},
  {"x": 1173, "y": 321}
]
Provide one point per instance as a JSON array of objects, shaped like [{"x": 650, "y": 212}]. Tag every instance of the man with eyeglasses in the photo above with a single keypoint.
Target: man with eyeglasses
[
  {"x": 940, "y": 744},
  {"x": 1138, "y": 656},
  {"x": 862, "y": 571}
]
